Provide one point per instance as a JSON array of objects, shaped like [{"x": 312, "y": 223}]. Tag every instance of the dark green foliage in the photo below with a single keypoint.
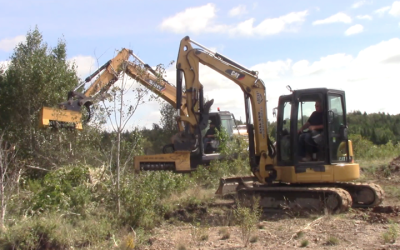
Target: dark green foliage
[
  {"x": 38, "y": 76},
  {"x": 160, "y": 135},
  {"x": 379, "y": 128}
]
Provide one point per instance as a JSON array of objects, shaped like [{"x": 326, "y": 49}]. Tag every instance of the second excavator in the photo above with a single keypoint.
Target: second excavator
[{"x": 69, "y": 114}]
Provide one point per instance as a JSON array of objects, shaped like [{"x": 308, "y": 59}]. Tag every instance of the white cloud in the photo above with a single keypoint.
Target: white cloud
[
  {"x": 382, "y": 10},
  {"x": 337, "y": 18},
  {"x": 330, "y": 62},
  {"x": 85, "y": 65},
  {"x": 382, "y": 52},
  {"x": 273, "y": 70},
  {"x": 8, "y": 44},
  {"x": 238, "y": 11},
  {"x": 201, "y": 19},
  {"x": 395, "y": 9},
  {"x": 355, "y": 29},
  {"x": 371, "y": 72},
  {"x": 368, "y": 17},
  {"x": 196, "y": 20},
  {"x": 270, "y": 26},
  {"x": 358, "y": 4}
]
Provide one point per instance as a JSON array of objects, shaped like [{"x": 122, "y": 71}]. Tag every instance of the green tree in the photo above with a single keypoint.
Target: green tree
[
  {"x": 37, "y": 76},
  {"x": 167, "y": 120}
]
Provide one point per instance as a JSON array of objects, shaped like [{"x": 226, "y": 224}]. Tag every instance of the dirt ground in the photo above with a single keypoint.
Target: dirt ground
[{"x": 376, "y": 228}]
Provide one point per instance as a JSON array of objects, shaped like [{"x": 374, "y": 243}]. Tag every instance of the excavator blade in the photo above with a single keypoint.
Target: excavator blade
[
  {"x": 53, "y": 117},
  {"x": 229, "y": 186}
]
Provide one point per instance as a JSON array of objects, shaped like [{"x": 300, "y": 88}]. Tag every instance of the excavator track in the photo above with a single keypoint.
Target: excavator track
[
  {"x": 336, "y": 200},
  {"x": 363, "y": 195},
  {"x": 343, "y": 195}
]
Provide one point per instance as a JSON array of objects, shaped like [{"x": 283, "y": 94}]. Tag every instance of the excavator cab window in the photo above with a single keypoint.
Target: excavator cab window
[
  {"x": 284, "y": 139},
  {"x": 338, "y": 141},
  {"x": 285, "y": 146},
  {"x": 315, "y": 149}
]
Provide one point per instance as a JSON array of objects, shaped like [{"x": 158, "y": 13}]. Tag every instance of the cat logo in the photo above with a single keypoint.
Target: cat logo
[{"x": 235, "y": 74}]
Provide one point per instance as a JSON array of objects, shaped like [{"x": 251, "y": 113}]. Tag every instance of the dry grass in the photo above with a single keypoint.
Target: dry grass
[
  {"x": 332, "y": 241},
  {"x": 196, "y": 192}
]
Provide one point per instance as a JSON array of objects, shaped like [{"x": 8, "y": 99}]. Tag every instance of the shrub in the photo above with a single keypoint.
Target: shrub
[
  {"x": 247, "y": 218},
  {"x": 365, "y": 149},
  {"x": 225, "y": 234},
  {"x": 304, "y": 243},
  {"x": 332, "y": 241},
  {"x": 64, "y": 189},
  {"x": 391, "y": 234},
  {"x": 142, "y": 196},
  {"x": 55, "y": 231}
]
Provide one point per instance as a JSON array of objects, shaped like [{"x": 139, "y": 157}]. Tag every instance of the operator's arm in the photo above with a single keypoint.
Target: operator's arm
[
  {"x": 316, "y": 127},
  {"x": 315, "y": 118},
  {"x": 305, "y": 126}
]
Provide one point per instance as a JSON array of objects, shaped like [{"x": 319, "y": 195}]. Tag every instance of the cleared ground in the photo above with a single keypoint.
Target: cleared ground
[{"x": 212, "y": 226}]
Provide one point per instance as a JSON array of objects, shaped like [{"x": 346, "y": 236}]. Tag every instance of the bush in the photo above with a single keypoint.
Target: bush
[
  {"x": 365, "y": 149},
  {"x": 65, "y": 189},
  {"x": 142, "y": 196},
  {"x": 52, "y": 231},
  {"x": 235, "y": 162}
]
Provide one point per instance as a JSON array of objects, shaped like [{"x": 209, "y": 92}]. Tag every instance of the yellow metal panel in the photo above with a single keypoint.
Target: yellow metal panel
[
  {"x": 333, "y": 173},
  {"x": 346, "y": 172},
  {"x": 48, "y": 114}
]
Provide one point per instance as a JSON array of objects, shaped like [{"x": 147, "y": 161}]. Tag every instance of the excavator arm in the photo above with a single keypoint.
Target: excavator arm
[
  {"x": 260, "y": 148},
  {"x": 69, "y": 112}
]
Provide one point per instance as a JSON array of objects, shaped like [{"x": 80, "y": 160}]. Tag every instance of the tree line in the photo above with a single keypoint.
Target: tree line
[{"x": 379, "y": 128}]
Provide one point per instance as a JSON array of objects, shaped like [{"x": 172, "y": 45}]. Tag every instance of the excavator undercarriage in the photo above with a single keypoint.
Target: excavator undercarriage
[{"x": 336, "y": 197}]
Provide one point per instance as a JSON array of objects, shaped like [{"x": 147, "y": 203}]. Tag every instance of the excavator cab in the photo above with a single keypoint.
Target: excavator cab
[
  {"x": 325, "y": 147},
  {"x": 222, "y": 120}
]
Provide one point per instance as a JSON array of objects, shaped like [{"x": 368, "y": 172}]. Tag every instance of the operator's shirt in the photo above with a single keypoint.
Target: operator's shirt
[
  {"x": 210, "y": 131},
  {"x": 316, "y": 118}
]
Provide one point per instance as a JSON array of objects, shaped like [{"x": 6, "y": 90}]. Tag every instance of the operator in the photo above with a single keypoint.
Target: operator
[
  {"x": 315, "y": 122},
  {"x": 210, "y": 135}
]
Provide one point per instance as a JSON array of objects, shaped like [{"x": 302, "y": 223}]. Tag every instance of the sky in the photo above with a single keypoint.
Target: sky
[{"x": 349, "y": 45}]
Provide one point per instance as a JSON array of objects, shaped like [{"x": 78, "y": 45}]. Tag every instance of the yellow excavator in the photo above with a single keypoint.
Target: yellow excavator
[
  {"x": 280, "y": 178},
  {"x": 69, "y": 114}
]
